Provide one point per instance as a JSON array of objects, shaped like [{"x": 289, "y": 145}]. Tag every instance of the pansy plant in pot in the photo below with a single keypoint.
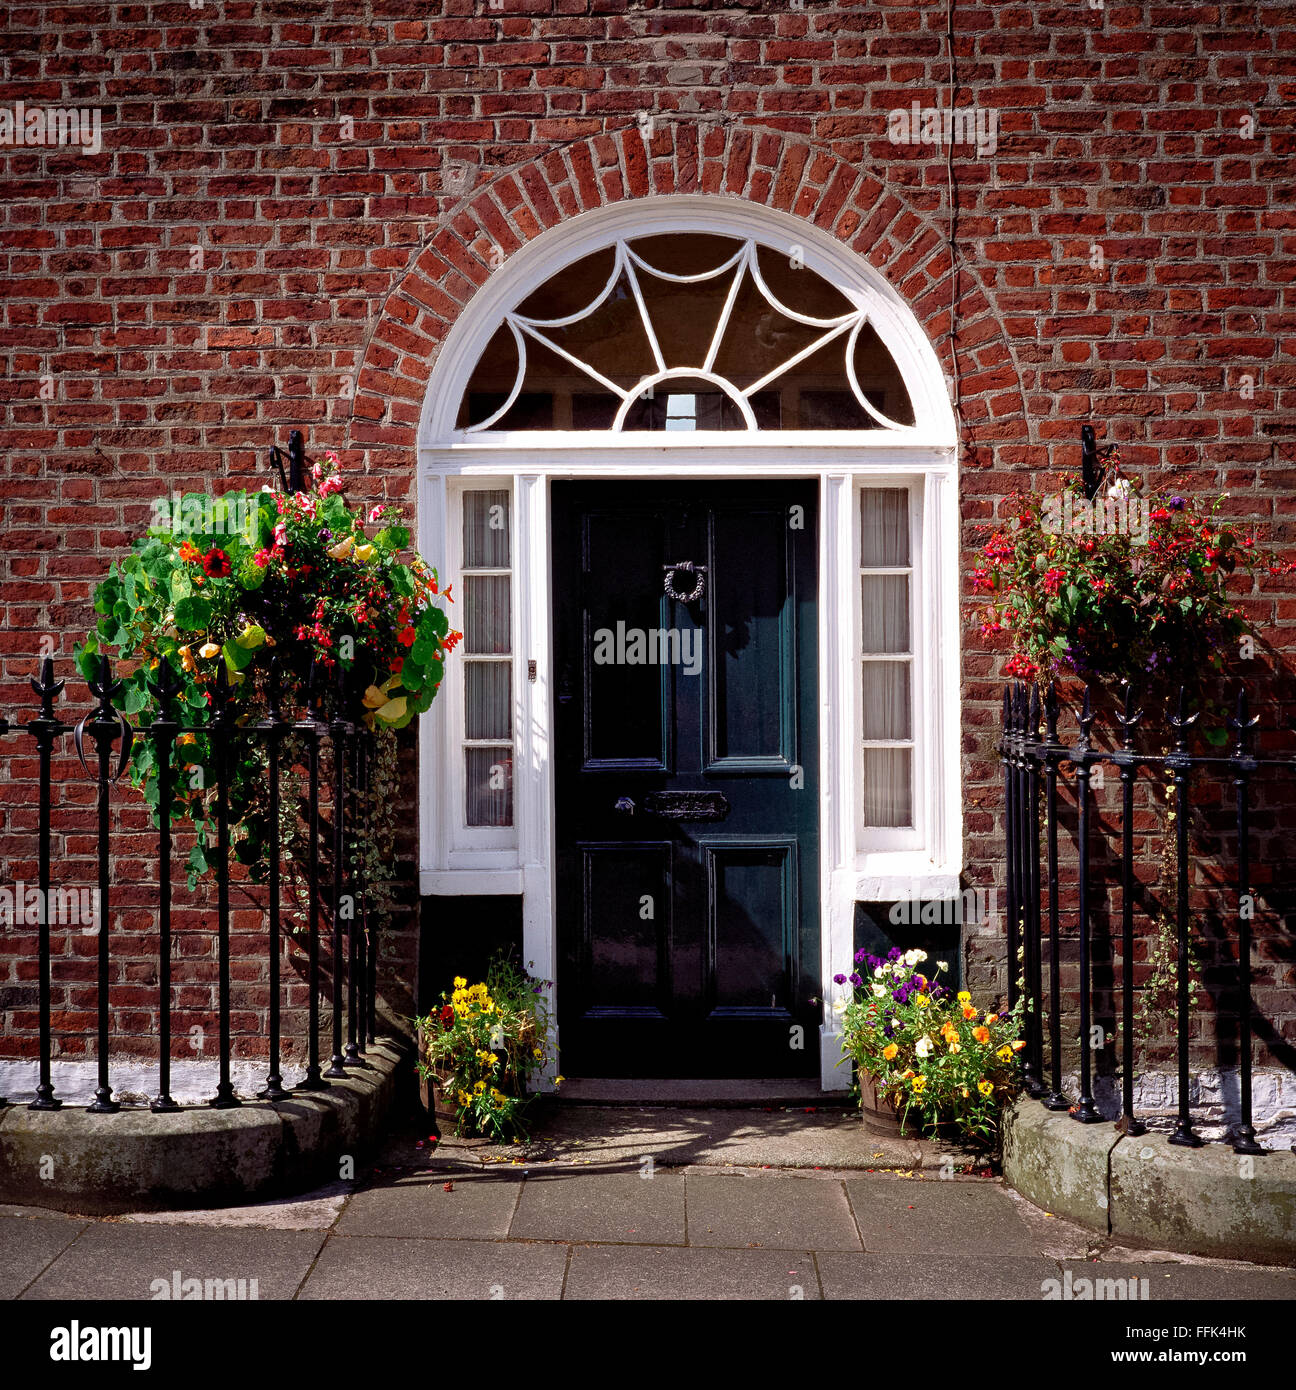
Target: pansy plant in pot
[
  {"x": 481, "y": 1048},
  {"x": 930, "y": 1055}
]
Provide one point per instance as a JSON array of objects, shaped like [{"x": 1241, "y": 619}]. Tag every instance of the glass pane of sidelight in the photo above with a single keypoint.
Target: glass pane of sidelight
[
  {"x": 489, "y": 785},
  {"x": 884, "y": 605},
  {"x": 487, "y": 613},
  {"x": 884, "y": 527},
  {"x": 888, "y": 787},
  {"x": 887, "y": 700},
  {"x": 487, "y": 700},
  {"x": 486, "y": 529}
]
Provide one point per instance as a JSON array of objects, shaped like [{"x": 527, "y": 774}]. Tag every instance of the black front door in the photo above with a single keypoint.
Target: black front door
[{"x": 687, "y": 801}]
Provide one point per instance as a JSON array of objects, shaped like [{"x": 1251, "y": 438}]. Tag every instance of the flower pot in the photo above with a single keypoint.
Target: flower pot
[{"x": 878, "y": 1114}]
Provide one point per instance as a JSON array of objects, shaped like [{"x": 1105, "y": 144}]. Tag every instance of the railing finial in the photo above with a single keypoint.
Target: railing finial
[{"x": 47, "y": 688}]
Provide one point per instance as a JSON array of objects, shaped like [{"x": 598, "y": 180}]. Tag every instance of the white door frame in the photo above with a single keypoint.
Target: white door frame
[{"x": 924, "y": 457}]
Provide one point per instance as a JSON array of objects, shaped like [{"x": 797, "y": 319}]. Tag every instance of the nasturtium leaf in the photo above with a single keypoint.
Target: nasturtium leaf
[
  {"x": 393, "y": 538},
  {"x": 135, "y": 697},
  {"x": 193, "y": 614},
  {"x": 392, "y": 710},
  {"x": 236, "y": 657},
  {"x": 86, "y": 657}
]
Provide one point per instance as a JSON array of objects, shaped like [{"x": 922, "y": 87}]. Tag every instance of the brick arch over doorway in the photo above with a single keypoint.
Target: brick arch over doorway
[{"x": 766, "y": 168}]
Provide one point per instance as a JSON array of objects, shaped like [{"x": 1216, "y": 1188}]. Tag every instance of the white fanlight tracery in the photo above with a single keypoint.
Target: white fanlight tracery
[{"x": 627, "y": 263}]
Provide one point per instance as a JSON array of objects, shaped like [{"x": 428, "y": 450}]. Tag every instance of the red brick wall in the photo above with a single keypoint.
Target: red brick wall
[{"x": 273, "y": 235}]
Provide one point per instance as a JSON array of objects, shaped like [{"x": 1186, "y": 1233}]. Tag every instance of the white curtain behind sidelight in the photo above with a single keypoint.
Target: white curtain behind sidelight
[
  {"x": 487, "y": 658},
  {"x": 886, "y": 582}
]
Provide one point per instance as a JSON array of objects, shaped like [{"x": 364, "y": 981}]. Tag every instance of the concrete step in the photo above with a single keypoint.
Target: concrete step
[{"x": 722, "y": 1093}]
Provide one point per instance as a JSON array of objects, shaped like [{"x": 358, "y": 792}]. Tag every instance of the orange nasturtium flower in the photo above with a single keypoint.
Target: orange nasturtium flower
[
  {"x": 968, "y": 1011},
  {"x": 889, "y": 1051},
  {"x": 982, "y": 1034}
]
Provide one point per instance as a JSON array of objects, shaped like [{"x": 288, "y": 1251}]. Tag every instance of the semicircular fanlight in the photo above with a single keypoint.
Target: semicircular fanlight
[{"x": 692, "y": 324}]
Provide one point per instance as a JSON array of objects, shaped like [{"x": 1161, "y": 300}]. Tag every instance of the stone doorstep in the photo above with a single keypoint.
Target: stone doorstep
[
  {"x": 1148, "y": 1193},
  {"x": 134, "y": 1160}
]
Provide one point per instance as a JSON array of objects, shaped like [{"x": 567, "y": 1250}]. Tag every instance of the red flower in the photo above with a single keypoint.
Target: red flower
[
  {"x": 407, "y": 637},
  {"x": 216, "y": 564},
  {"x": 1021, "y": 667},
  {"x": 1053, "y": 579}
]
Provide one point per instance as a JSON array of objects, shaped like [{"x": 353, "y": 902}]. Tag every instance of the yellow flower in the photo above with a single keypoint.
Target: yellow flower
[
  {"x": 537, "y": 1052},
  {"x": 985, "y": 1087},
  {"x": 889, "y": 1051},
  {"x": 342, "y": 549},
  {"x": 1004, "y": 1054},
  {"x": 964, "y": 997},
  {"x": 460, "y": 982},
  {"x": 953, "y": 1046},
  {"x": 918, "y": 1083},
  {"x": 922, "y": 1001},
  {"x": 208, "y": 649},
  {"x": 364, "y": 553},
  {"x": 558, "y": 1080}
]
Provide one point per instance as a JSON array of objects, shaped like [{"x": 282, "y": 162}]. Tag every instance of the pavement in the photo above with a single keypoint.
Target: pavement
[{"x": 623, "y": 1203}]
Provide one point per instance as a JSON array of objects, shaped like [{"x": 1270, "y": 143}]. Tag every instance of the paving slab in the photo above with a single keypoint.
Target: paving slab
[
  {"x": 953, "y": 1217},
  {"x": 28, "y": 1245},
  {"x": 120, "y": 1260},
  {"x": 355, "y": 1267},
  {"x": 1190, "y": 1281},
  {"x": 766, "y": 1211},
  {"x": 669, "y": 1272},
  {"x": 478, "y": 1204},
  {"x": 946, "y": 1278},
  {"x": 620, "y": 1208}
]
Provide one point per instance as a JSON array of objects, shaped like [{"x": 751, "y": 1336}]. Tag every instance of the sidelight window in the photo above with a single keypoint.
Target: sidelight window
[
  {"x": 487, "y": 658},
  {"x": 887, "y": 627}
]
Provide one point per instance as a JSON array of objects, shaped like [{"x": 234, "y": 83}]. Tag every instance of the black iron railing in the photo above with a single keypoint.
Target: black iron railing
[
  {"x": 1032, "y": 759},
  {"x": 353, "y": 945}
]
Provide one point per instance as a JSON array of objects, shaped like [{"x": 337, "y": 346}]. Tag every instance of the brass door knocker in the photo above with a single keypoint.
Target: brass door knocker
[{"x": 698, "y": 574}]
